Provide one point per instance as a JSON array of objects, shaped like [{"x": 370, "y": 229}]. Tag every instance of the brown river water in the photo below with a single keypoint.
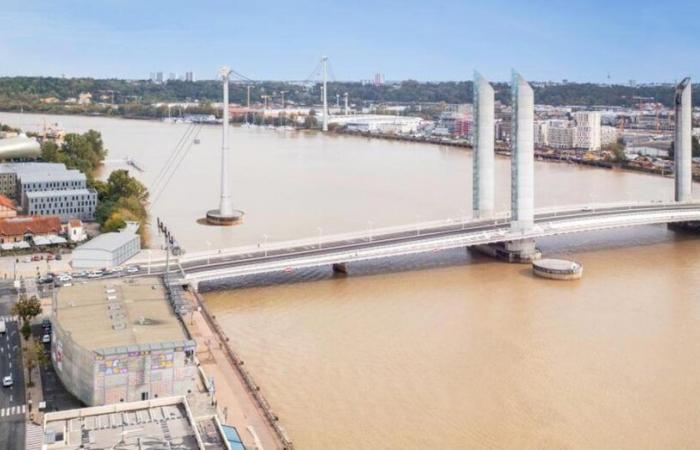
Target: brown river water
[{"x": 450, "y": 350}]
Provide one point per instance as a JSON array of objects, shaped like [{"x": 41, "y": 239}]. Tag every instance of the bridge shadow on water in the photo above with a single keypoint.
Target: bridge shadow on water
[{"x": 408, "y": 263}]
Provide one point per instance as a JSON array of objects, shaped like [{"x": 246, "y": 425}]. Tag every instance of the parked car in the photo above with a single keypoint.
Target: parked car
[
  {"x": 94, "y": 274},
  {"x": 132, "y": 269},
  {"x": 59, "y": 257},
  {"x": 46, "y": 338},
  {"x": 7, "y": 381},
  {"x": 45, "y": 324},
  {"x": 36, "y": 258},
  {"x": 49, "y": 257}
]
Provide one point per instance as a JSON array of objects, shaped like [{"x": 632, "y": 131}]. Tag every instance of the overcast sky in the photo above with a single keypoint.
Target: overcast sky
[{"x": 648, "y": 41}]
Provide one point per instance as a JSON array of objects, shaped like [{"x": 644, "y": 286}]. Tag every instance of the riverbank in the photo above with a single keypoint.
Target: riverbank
[
  {"x": 541, "y": 154},
  {"x": 238, "y": 397}
]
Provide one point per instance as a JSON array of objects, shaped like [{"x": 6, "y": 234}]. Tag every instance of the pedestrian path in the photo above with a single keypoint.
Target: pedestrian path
[
  {"x": 34, "y": 437},
  {"x": 13, "y": 410}
]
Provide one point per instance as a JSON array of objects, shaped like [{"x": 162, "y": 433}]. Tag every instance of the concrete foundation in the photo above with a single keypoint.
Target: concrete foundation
[{"x": 522, "y": 251}]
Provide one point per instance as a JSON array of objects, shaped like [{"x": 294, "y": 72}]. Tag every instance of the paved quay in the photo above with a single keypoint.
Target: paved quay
[{"x": 235, "y": 402}]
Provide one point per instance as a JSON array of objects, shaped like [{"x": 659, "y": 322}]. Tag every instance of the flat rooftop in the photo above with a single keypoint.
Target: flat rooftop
[
  {"x": 118, "y": 312},
  {"x": 59, "y": 193},
  {"x": 161, "y": 423}
]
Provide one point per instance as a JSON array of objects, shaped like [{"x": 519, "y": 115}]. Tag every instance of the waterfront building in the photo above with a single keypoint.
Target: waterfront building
[
  {"x": 541, "y": 129},
  {"x": 560, "y": 134},
  {"x": 608, "y": 135},
  {"x": 66, "y": 204},
  {"x": 52, "y": 189},
  {"x": 587, "y": 130},
  {"x": 9, "y": 171},
  {"x": 167, "y": 423},
  {"x": 378, "y": 123},
  {"x": 108, "y": 249},
  {"x": 118, "y": 340}
]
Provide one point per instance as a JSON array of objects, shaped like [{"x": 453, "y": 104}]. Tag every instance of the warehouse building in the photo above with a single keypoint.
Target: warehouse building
[
  {"x": 108, "y": 249},
  {"x": 118, "y": 340}
]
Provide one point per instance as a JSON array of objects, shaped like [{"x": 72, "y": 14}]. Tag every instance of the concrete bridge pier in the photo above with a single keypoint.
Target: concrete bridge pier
[
  {"x": 340, "y": 268},
  {"x": 520, "y": 251}
]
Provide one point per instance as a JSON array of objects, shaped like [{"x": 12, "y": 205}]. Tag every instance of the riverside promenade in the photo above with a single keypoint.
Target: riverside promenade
[{"x": 236, "y": 402}]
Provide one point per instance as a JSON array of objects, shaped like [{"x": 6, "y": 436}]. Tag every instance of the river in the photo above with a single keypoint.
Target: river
[{"x": 443, "y": 351}]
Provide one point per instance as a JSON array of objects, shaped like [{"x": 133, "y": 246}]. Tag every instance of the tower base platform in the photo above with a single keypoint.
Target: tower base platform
[
  {"x": 522, "y": 251},
  {"x": 214, "y": 217}
]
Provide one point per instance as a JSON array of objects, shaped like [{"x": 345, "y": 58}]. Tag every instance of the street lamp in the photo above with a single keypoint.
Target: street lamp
[
  {"x": 369, "y": 226},
  {"x": 265, "y": 243},
  {"x": 417, "y": 224},
  {"x": 320, "y": 233},
  {"x": 149, "y": 261},
  {"x": 208, "y": 251}
]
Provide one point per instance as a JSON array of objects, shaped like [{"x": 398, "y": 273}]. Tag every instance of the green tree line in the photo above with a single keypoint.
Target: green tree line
[{"x": 126, "y": 95}]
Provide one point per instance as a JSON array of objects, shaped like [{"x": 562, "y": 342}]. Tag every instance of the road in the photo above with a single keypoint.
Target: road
[
  {"x": 12, "y": 399},
  {"x": 242, "y": 257},
  {"x": 200, "y": 264}
]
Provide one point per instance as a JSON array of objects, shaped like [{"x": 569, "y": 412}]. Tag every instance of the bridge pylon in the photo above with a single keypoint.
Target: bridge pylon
[
  {"x": 522, "y": 176},
  {"x": 483, "y": 189}
]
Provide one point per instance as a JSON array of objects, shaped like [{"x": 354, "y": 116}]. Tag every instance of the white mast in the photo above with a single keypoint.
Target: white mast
[
  {"x": 324, "y": 62},
  {"x": 225, "y": 207}
]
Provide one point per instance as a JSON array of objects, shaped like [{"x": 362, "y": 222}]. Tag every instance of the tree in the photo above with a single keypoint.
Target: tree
[
  {"x": 33, "y": 357},
  {"x": 27, "y": 308},
  {"x": 120, "y": 185}
]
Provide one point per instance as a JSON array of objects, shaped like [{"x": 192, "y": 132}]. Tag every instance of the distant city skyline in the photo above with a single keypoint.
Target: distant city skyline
[{"x": 645, "y": 41}]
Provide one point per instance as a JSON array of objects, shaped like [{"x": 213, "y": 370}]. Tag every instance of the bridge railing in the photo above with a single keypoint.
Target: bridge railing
[{"x": 368, "y": 235}]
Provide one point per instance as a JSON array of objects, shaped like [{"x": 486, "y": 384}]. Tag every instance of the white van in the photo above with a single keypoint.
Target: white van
[{"x": 2, "y": 327}]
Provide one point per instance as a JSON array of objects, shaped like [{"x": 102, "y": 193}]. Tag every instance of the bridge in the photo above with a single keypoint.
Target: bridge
[
  {"x": 511, "y": 235},
  {"x": 488, "y": 235}
]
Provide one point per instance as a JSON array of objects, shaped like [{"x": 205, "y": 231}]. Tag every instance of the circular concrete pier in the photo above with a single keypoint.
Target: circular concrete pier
[
  {"x": 214, "y": 217},
  {"x": 557, "y": 269}
]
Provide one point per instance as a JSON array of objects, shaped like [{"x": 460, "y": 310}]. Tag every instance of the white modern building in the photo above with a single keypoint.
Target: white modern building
[
  {"x": 108, "y": 249},
  {"x": 587, "y": 132},
  {"x": 66, "y": 204},
  {"x": 608, "y": 135},
  {"x": 378, "y": 123},
  {"x": 560, "y": 134}
]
